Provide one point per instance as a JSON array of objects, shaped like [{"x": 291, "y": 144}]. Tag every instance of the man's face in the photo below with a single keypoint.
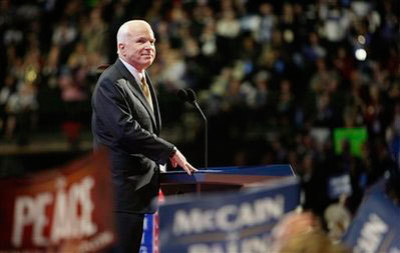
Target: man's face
[{"x": 139, "y": 48}]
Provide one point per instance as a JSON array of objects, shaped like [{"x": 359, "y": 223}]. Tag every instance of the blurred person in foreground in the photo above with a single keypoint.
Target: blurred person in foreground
[
  {"x": 302, "y": 232},
  {"x": 126, "y": 119}
]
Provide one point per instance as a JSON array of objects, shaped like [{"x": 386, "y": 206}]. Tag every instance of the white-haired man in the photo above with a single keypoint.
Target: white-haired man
[{"x": 126, "y": 120}]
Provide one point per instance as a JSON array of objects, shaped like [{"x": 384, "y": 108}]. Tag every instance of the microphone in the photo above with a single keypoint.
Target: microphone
[
  {"x": 183, "y": 95},
  {"x": 188, "y": 95},
  {"x": 191, "y": 95}
]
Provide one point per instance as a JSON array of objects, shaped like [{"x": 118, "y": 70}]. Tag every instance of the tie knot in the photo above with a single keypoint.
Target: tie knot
[
  {"x": 143, "y": 83},
  {"x": 142, "y": 78}
]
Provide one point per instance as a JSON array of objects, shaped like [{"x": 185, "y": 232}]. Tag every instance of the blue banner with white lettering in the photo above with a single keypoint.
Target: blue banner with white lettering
[
  {"x": 338, "y": 185},
  {"x": 226, "y": 222},
  {"x": 376, "y": 227},
  {"x": 147, "y": 244}
]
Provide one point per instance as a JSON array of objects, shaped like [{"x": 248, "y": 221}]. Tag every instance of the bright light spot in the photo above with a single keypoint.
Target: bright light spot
[
  {"x": 288, "y": 36},
  {"x": 361, "y": 39},
  {"x": 361, "y": 54}
]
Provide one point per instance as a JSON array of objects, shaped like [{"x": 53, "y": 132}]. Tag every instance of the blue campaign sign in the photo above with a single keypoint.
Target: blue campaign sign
[
  {"x": 147, "y": 244},
  {"x": 338, "y": 185},
  {"x": 376, "y": 227},
  {"x": 226, "y": 222}
]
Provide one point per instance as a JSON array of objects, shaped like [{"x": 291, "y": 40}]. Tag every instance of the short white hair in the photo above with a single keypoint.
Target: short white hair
[{"x": 122, "y": 34}]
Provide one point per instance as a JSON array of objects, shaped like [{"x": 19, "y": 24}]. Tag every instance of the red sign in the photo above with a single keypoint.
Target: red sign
[{"x": 64, "y": 209}]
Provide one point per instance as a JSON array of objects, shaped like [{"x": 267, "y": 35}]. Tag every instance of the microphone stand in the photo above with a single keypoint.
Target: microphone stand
[
  {"x": 188, "y": 95},
  {"x": 205, "y": 134}
]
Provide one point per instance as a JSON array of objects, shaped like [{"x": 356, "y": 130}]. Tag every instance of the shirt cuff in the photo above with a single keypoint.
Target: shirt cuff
[{"x": 173, "y": 152}]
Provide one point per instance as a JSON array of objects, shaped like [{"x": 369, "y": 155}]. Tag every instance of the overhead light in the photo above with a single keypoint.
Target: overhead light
[
  {"x": 361, "y": 54},
  {"x": 361, "y": 39}
]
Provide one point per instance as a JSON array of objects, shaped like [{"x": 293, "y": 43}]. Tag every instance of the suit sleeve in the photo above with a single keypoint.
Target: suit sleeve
[{"x": 113, "y": 114}]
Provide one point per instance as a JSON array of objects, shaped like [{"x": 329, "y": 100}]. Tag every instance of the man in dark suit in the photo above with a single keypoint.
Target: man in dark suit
[{"x": 126, "y": 119}]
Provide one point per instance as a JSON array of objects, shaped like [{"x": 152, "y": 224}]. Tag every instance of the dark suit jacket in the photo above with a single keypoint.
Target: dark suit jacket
[{"x": 123, "y": 121}]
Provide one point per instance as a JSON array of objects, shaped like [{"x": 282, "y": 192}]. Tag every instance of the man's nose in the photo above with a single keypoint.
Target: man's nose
[{"x": 148, "y": 45}]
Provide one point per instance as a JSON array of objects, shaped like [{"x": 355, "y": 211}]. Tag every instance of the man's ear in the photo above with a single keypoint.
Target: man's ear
[{"x": 121, "y": 47}]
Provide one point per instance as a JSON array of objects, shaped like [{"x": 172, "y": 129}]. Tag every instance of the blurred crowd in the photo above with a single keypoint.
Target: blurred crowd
[{"x": 275, "y": 78}]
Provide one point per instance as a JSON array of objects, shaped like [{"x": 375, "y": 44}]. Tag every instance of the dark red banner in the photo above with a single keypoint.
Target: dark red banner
[{"x": 67, "y": 209}]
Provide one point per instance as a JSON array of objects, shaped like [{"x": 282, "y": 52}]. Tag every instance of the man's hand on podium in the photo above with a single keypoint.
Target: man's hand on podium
[{"x": 179, "y": 159}]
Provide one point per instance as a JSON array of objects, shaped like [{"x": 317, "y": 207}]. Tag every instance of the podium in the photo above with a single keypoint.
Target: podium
[
  {"x": 219, "y": 179},
  {"x": 216, "y": 179}
]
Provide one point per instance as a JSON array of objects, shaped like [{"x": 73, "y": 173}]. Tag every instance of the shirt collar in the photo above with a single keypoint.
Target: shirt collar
[{"x": 136, "y": 74}]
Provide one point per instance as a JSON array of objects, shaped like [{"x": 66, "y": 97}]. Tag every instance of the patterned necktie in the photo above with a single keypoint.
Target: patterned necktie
[{"x": 146, "y": 92}]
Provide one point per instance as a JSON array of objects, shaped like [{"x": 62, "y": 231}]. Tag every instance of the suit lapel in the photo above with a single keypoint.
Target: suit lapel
[{"x": 137, "y": 91}]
